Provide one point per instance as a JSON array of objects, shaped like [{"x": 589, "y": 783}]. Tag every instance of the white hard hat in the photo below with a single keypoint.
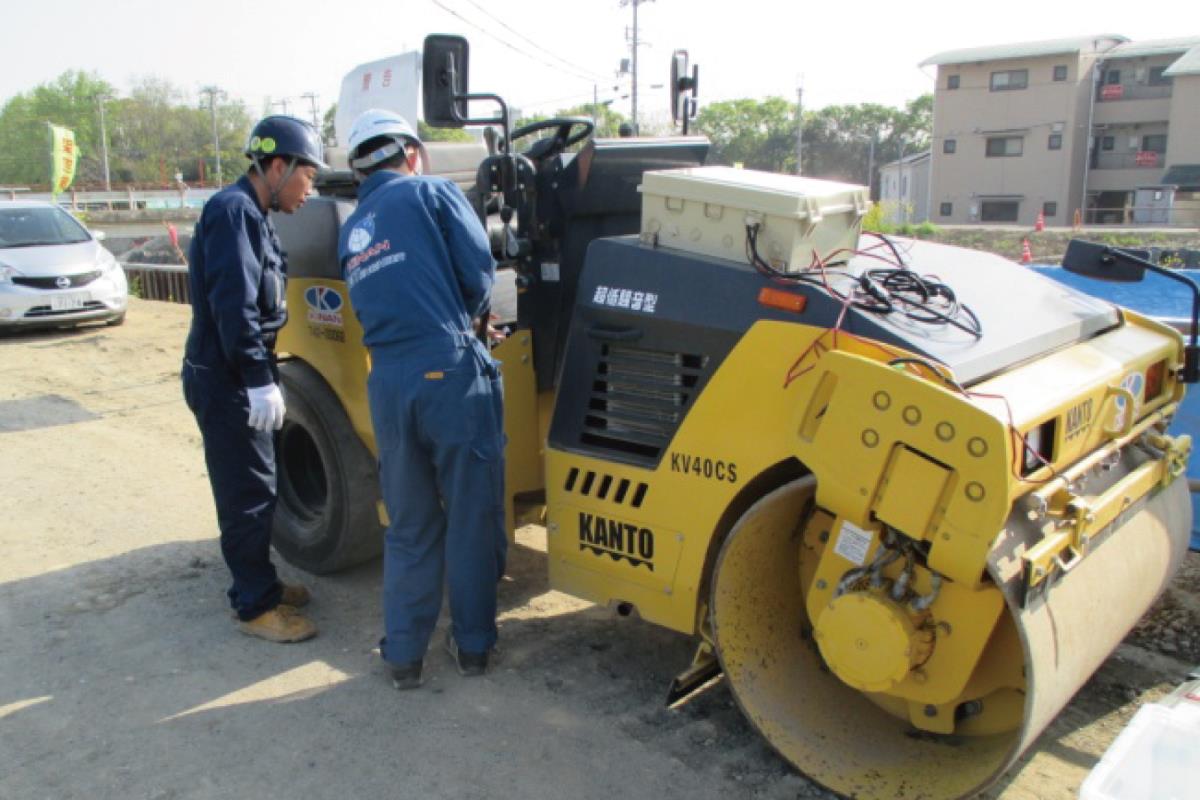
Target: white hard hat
[{"x": 373, "y": 124}]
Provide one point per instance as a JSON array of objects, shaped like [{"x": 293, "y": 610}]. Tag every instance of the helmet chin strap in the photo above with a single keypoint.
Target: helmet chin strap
[{"x": 273, "y": 200}]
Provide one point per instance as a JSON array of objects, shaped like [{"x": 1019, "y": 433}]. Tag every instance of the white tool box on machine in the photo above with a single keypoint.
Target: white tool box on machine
[{"x": 706, "y": 210}]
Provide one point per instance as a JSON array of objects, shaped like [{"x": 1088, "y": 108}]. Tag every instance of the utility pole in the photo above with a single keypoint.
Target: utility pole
[
  {"x": 799, "y": 125},
  {"x": 312, "y": 104},
  {"x": 213, "y": 92},
  {"x": 100, "y": 98},
  {"x": 634, "y": 44},
  {"x": 871, "y": 162},
  {"x": 282, "y": 104}
]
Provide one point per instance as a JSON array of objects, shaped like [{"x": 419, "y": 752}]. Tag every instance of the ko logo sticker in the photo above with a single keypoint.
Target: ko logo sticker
[
  {"x": 324, "y": 306},
  {"x": 1133, "y": 383}
]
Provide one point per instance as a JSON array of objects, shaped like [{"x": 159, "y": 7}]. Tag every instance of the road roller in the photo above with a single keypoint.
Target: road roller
[
  {"x": 907, "y": 516},
  {"x": 906, "y": 497}
]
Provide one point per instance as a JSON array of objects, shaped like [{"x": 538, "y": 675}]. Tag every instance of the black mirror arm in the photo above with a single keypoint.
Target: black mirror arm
[
  {"x": 1191, "y": 360},
  {"x": 450, "y": 77},
  {"x": 502, "y": 120}
]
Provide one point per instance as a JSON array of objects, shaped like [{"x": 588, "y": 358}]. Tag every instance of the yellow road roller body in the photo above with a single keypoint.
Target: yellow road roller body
[
  {"x": 905, "y": 531},
  {"x": 904, "y": 572}
]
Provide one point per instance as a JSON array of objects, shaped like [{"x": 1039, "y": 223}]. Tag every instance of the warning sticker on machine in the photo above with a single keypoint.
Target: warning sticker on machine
[{"x": 853, "y": 543}]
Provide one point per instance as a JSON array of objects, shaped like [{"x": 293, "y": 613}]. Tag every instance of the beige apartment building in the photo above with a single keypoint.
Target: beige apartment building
[{"x": 1097, "y": 125}]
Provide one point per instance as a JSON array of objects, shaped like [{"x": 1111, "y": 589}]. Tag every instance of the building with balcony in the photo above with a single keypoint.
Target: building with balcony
[{"x": 1097, "y": 125}]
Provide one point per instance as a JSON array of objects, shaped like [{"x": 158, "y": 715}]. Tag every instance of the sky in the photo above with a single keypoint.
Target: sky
[{"x": 542, "y": 55}]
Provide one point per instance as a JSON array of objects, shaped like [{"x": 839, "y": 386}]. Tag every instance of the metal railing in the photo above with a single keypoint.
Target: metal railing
[
  {"x": 167, "y": 282},
  {"x": 1114, "y": 93},
  {"x": 1142, "y": 159},
  {"x": 1157, "y": 216},
  {"x": 123, "y": 200}
]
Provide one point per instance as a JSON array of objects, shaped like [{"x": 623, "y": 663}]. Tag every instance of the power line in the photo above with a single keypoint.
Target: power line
[
  {"x": 595, "y": 75},
  {"x": 524, "y": 107},
  {"x": 507, "y": 44}
]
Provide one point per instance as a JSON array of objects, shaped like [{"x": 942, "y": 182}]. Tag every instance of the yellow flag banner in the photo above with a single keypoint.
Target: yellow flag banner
[{"x": 64, "y": 155}]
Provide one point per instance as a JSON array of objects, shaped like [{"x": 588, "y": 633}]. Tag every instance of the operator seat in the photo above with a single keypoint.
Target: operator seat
[{"x": 594, "y": 194}]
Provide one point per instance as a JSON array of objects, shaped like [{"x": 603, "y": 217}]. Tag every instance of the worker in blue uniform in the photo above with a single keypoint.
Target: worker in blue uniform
[
  {"x": 237, "y": 276},
  {"x": 419, "y": 270}
]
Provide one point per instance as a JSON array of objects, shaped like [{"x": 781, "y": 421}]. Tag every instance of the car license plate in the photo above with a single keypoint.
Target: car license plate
[{"x": 67, "y": 302}]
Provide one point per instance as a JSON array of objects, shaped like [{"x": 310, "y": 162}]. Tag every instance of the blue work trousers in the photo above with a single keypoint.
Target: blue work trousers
[
  {"x": 241, "y": 470},
  {"x": 439, "y": 424}
]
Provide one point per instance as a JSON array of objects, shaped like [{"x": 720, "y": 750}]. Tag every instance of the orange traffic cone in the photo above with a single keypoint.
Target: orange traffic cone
[
  {"x": 1040, "y": 224},
  {"x": 1026, "y": 255}
]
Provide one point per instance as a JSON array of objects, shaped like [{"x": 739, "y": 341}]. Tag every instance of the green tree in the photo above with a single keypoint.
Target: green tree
[
  {"x": 841, "y": 142},
  {"x": 153, "y": 133},
  {"x": 838, "y": 139},
  {"x": 69, "y": 100},
  {"x": 429, "y": 133},
  {"x": 156, "y": 132},
  {"x": 758, "y": 134},
  {"x": 328, "y": 129}
]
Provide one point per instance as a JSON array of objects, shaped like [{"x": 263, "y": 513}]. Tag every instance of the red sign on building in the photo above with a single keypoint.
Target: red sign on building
[
  {"x": 1146, "y": 158},
  {"x": 1113, "y": 91}
]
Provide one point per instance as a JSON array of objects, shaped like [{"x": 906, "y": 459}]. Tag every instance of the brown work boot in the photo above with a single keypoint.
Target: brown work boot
[
  {"x": 281, "y": 624},
  {"x": 295, "y": 595}
]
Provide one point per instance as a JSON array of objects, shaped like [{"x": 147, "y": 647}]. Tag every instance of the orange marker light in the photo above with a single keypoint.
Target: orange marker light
[
  {"x": 785, "y": 301},
  {"x": 1154, "y": 381}
]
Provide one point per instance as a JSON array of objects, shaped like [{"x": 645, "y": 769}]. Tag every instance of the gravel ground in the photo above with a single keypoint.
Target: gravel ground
[{"x": 122, "y": 676}]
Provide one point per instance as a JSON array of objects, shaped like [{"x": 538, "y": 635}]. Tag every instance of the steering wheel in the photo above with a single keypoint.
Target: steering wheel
[{"x": 560, "y": 141}]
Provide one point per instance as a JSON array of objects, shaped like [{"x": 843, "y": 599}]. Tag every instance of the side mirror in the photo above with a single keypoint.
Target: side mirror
[
  {"x": 444, "y": 80},
  {"x": 1118, "y": 264},
  {"x": 684, "y": 89},
  {"x": 1093, "y": 260},
  {"x": 99, "y": 235}
]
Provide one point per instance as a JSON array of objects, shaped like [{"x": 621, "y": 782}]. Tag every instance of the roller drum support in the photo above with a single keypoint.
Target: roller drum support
[{"x": 863, "y": 744}]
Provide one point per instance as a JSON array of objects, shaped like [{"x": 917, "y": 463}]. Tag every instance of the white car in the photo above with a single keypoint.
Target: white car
[{"x": 54, "y": 271}]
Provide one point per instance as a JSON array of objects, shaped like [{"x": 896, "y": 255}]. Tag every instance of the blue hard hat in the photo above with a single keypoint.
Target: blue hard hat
[{"x": 281, "y": 135}]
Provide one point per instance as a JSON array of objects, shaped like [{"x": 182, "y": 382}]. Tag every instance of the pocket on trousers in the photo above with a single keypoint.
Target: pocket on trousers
[
  {"x": 490, "y": 450},
  {"x": 450, "y": 403}
]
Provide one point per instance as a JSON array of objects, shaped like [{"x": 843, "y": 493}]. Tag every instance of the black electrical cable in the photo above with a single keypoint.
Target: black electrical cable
[
  {"x": 921, "y": 298},
  {"x": 924, "y": 299},
  {"x": 792, "y": 277},
  {"x": 891, "y": 246}
]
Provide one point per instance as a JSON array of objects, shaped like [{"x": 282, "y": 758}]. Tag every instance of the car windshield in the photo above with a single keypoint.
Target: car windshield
[{"x": 34, "y": 227}]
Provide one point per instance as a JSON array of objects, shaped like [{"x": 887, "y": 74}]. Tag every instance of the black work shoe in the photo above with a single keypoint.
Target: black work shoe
[
  {"x": 469, "y": 664},
  {"x": 406, "y": 676}
]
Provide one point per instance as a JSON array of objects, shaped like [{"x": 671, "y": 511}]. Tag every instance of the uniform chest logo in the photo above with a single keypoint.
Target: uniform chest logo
[{"x": 362, "y": 234}]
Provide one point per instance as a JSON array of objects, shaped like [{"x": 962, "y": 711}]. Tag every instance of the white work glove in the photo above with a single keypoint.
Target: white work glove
[{"x": 266, "y": 407}]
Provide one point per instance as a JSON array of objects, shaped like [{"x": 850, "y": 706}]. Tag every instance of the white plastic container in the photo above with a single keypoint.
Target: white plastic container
[
  {"x": 706, "y": 210},
  {"x": 1156, "y": 757}
]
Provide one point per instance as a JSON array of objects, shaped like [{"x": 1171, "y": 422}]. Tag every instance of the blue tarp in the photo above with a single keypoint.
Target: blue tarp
[{"x": 1164, "y": 298}]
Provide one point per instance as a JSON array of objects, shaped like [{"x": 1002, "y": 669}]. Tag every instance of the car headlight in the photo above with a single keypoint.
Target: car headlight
[
  {"x": 7, "y": 273},
  {"x": 108, "y": 263}
]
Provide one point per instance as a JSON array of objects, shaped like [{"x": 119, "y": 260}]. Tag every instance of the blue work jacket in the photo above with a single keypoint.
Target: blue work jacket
[
  {"x": 237, "y": 274},
  {"x": 416, "y": 261}
]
